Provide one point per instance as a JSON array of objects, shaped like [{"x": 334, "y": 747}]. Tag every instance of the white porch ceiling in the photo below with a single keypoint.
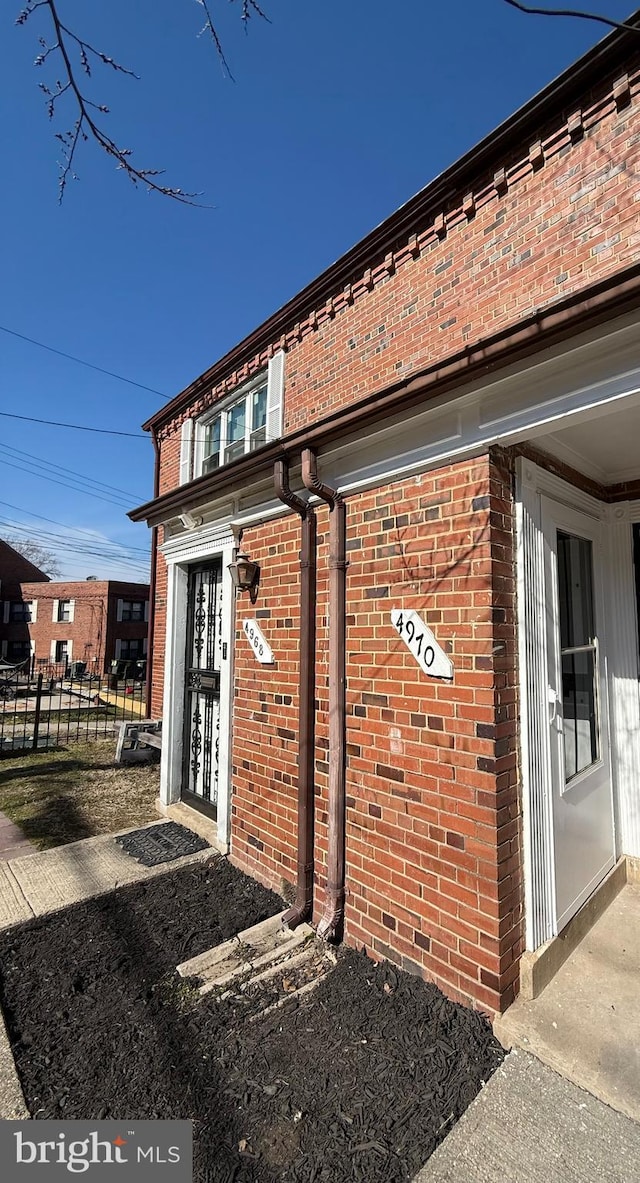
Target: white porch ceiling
[{"x": 605, "y": 447}]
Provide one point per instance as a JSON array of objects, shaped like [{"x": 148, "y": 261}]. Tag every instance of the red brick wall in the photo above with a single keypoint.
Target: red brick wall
[
  {"x": 565, "y": 218},
  {"x": 433, "y": 854},
  {"x": 433, "y": 824},
  {"x": 265, "y": 712}
]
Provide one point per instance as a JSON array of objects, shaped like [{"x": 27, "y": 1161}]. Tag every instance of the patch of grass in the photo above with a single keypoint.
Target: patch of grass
[{"x": 76, "y": 792}]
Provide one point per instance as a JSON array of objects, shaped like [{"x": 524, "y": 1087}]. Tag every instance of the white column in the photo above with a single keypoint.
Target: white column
[
  {"x": 174, "y": 673},
  {"x": 534, "y": 732},
  {"x": 624, "y": 688},
  {"x": 226, "y": 702}
]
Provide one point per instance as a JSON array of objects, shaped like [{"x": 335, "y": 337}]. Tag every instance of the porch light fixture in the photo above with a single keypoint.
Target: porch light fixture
[{"x": 245, "y": 575}]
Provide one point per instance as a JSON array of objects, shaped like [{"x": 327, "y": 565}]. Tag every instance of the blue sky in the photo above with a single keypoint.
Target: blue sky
[{"x": 339, "y": 112}]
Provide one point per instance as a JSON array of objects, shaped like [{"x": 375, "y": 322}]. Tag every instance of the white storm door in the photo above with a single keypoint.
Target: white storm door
[{"x": 577, "y": 702}]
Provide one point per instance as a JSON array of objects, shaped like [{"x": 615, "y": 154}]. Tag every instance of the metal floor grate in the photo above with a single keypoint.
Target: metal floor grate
[{"x": 161, "y": 844}]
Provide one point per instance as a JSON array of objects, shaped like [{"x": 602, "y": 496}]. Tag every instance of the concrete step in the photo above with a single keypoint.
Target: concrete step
[{"x": 246, "y": 957}]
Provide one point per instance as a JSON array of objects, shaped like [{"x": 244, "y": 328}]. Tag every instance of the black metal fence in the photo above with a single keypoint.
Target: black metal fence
[{"x": 64, "y": 706}]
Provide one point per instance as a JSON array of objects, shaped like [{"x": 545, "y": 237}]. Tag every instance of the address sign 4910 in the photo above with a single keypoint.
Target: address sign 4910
[{"x": 421, "y": 642}]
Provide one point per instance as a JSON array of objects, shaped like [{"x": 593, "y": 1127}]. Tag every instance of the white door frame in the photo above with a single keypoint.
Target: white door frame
[
  {"x": 592, "y": 789},
  {"x": 180, "y": 554},
  {"x": 532, "y": 483}
]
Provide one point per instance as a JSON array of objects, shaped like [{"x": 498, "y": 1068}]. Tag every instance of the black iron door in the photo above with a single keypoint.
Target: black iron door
[{"x": 202, "y": 687}]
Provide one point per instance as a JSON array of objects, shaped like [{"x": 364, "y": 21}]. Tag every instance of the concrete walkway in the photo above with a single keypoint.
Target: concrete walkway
[
  {"x": 45, "y": 881},
  {"x": 529, "y": 1125},
  {"x": 12, "y": 841},
  {"x": 586, "y": 1022}
]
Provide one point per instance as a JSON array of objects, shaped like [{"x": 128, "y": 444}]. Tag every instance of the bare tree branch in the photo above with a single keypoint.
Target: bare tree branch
[
  {"x": 584, "y": 16},
  {"x": 68, "y": 44},
  {"x": 210, "y": 28}
]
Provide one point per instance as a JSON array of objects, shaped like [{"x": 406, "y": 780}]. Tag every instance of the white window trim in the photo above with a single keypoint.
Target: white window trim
[
  {"x": 119, "y": 610},
  {"x": 6, "y": 609},
  {"x": 54, "y": 612},
  {"x": 34, "y": 612},
  {"x": 274, "y": 375},
  {"x": 61, "y": 641},
  {"x": 186, "y": 451}
]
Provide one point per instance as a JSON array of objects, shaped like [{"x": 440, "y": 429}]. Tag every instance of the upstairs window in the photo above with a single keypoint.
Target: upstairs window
[
  {"x": 239, "y": 429},
  {"x": 247, "y": 420},
  {"x": 132, "y": 610},
  {"x": 63, "y": 611},
  {"x": 20, "y": 611}
]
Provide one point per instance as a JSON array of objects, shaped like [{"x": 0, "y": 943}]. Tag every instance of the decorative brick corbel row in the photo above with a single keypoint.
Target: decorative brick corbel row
[{"x": 566, "y": 134}]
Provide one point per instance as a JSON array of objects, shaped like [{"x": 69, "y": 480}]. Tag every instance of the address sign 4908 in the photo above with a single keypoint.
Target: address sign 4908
[{"x": 421, "y": 642}]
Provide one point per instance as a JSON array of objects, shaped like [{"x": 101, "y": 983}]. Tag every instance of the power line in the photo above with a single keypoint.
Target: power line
[
  {"x": 74, "y": 426},
  {"x": 91, "y": 542},
  {"x": 80, "y": 361},
  {"x": 118, "y": 502},
  {"x": 76, "y": 529},
  {"x": 106, "y": 558},
  {"x": 71, "y": 472},
  {"x": 39, "y": 535}
]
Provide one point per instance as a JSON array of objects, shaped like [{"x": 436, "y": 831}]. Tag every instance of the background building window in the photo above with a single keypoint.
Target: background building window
[
  {"x": 18, "y": 651},
  {"x": 65, "y": 613},
  {"x": 21, "y": 612},
  {"x": 133, "y": 610},
  {"x": 130, "y": 649},
  {"x": 62, "y": 652}
]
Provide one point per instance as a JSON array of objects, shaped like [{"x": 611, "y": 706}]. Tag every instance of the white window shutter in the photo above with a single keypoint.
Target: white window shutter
[
  {"x": 54, "y": 615},
  {"x": 119, "y": 610},
  {"x": 6, "y": 611},
  {"x": 186, "y": 443},
  {"x": 146, "y": 611},
  {"x": 4, "y": 645},
  {"x": 34, "y": 611},
  {"x": 144, "y": 646},
  {"x": 118, "y": 649},
  {"x": 52, "y": 653},
  {"x": 275, "y": 396},
  {"x": 72, "y": 609},
  {"x": 69, "y": 650}
]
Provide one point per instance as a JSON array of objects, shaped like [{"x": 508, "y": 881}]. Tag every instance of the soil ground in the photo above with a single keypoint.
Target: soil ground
[
  {"x": 358, "y": 1080},
  {"x": 75, "y": 792}
]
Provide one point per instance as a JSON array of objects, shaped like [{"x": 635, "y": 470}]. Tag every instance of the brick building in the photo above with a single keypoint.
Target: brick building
[
  {"x": 56, "y": 623},
  {"x": 422, "y": 719}
]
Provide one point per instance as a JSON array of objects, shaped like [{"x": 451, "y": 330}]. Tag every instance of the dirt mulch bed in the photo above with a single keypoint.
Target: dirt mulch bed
[{"x": 358, "y": 1080}]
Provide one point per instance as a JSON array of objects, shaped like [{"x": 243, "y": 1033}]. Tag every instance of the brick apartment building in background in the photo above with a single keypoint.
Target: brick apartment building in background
[
  {"x": 57, "y": 623},
  {"x": 426, "y": 726}
]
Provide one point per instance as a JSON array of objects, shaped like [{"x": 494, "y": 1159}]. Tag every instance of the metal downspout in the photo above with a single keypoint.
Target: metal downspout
[
  {"x": 152, "y": 580},
  {"x": 331, "y": 924},
  {"x": 302, "y": 909}
]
